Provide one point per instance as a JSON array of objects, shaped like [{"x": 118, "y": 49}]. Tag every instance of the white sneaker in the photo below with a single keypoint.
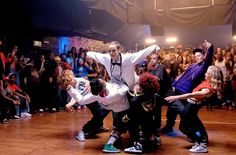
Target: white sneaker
[
  {"x": 137, "y": 148},
  {"x": 16, "y": 117},
  {"x": 27, "y": 114},
  {"x": 80, "y": 136},
  {"x": 195, "y": 146},
  {"x": 54, "y": 109},
  {"x": 200, "y": 148},
  {"x": 22, "y": 115},
  {"x": 41, "y": 110}
]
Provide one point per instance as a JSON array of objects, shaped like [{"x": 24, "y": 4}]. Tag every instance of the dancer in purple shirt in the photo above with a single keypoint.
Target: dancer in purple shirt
[{"x": 192, "y": 76}]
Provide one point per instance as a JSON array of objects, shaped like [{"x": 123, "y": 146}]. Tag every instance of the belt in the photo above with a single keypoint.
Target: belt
[
  {"x": 177, "y": 92},
  {"x": 194, "y": 102}
]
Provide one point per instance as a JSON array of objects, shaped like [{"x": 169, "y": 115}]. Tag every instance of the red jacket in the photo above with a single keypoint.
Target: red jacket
[
  {"x": 204, "y": 84},
  {"x": 64, "y": 66}
]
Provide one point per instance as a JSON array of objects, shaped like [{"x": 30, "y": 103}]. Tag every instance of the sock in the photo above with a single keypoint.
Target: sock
[{"x": 112, "y": 139}]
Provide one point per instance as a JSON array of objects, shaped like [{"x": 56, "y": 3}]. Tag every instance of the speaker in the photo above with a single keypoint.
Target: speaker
[{"x": 157, "y": 30}]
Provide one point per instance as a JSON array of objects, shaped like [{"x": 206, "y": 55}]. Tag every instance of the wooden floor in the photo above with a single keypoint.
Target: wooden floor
[{"x": 54, "y": 134}]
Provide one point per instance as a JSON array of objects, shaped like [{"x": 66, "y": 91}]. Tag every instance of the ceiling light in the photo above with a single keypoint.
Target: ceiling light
[
  {"x": 234, "y": 37},
  {"x": 171, "y": 40},
  {"x": 150, "y": 41}
]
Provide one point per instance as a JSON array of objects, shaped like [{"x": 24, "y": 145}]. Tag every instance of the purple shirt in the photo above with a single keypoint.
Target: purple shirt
[{"x": 193, "y": 75}]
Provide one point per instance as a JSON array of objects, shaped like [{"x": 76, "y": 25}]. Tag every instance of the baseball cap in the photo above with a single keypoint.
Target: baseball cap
[
  {"x": 5, "y": 78},
  {"x": 198, "y": 50}
]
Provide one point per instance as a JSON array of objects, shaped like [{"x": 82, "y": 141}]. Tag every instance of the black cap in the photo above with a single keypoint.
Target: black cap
[
  {"x": 142, "y": 64},
  {"x": 10, "y": 75},
  {"x": 198, "y": 50}
]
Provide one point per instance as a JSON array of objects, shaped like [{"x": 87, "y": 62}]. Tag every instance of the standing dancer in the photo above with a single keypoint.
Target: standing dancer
[
  {"x": 121, "y": 67},
  {"x": 188, "y": 80}
]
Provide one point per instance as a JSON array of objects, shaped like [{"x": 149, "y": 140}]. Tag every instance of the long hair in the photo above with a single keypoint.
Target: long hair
[
  {"x": 65, "y": 78},
  {"x": 216, "y": 74}
]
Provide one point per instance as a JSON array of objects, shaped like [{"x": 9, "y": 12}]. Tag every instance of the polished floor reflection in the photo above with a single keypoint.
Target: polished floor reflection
[{"x": 54, "y": 134}]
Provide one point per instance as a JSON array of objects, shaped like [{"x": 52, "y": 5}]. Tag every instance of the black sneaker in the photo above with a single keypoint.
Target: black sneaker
[
  {"x": 4, "y": 121},
  {"x": 60, "y": 109},
  {"x": 157, "y": 140}
]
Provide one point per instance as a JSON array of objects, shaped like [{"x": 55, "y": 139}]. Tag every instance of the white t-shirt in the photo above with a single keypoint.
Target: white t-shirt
[
  {"x": 116, "y": 100},
  {"x": 81, "y": 89},
  {"x": 222, "y": 66}
]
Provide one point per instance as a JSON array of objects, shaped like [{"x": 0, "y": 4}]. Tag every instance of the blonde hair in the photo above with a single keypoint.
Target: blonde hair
[
  {"x": 117, "y": 44},
  {"x": 216, "y": 74},
  {"x": 65, "y": 78}
]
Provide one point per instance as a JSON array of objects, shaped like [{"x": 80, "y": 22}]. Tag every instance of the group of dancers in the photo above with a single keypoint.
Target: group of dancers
[{"x": 136, "y": 100}]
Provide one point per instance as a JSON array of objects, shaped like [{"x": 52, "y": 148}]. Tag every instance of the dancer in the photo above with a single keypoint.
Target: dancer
[
  {"x": 188, "y": 80},
  {"x": 142, "y": 112},
  {"x": 120, "y": 66},
  {"x": 99, "y": 113},
  {"x": 159, "y": 70},
  {"x": 112, "y": 97},
  {"x": 212, "y": 84}
]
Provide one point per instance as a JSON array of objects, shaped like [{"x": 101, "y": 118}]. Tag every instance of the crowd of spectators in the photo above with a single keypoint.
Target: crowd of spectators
[{"x": 29, "y": 86}]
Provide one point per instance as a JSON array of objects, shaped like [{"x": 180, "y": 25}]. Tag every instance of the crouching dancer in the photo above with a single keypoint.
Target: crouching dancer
[
  {"x": 112, "y": 97},
  {"x": 143, "y": 104},
  {"x": 191, "y": 125},
  {"x": 99, "y": 113}
]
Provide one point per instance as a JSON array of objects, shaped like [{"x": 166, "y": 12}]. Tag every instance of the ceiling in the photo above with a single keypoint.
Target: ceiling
[{"x": 122, "y": 20}]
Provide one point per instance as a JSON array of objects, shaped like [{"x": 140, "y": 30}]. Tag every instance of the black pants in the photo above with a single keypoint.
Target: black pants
[
  {"x": 7, "y": 109},
  {"x": 4, "y": 110},
  {"x": 160, "y": 101},
  {"x": 99, "y": 113},
  {"x": 139, "y": 117},
  {"x": 173, "y": 110},
  {"x": 191, "y": 125},
  {"x": 52, "y": 96},
  {"x": 190, "y": 122}
]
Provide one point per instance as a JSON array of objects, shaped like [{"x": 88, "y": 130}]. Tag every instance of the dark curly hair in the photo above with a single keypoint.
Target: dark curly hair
[
  {"x": 96, "y": 86},
  {"x": 149, "y": 83}
]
